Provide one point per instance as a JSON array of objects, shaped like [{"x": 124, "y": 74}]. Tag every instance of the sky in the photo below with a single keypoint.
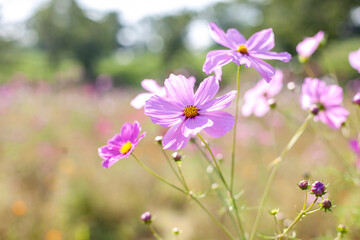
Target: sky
[{"x": 15, "y": 11}]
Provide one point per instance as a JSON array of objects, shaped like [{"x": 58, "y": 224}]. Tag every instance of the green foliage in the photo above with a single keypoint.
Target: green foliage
[{"x": 64, "y": 30}]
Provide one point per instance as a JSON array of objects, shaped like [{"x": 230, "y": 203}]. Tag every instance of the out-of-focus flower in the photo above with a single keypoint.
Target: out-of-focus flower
[
  {"x": 308, "y": 46},
  {"x": 326, "y": 100},
  {"x": 354, "y": 59},
  {"x": 355, "y": 146},
  {"x": 121, "y": 145},
  {"x": 356, "y": 99},
  {"x": 187, "y": 113},
  {"x": 154, "y": 89},
  {"x": 53, "y": 234},
  {"x": 19, "y": 208},
  {"x": 318, "y": 189},
  {"x": 243, "y": 52},
  {"x": 257, "y": 98},
  {"x": 146, "y": 217}
]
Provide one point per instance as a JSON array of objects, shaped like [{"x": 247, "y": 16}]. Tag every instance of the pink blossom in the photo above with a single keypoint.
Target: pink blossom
[
  {"x": 354, "y": 59},
  {"x": 308, "y": 46},
  {"x": 256, "y": 98},
  {"x": 243, "y": 52},
  {"x": 187, "y": 113},
  {"x": 326, "y": 99},
  {"x": 121, "y": 145}
]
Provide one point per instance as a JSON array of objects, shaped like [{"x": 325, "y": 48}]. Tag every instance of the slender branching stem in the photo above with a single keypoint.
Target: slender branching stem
[
  {"x": 157, "y": 176},
  {"x": 274, "y": 166},
  {"x": 171, "y": 166},
  {"x": 217, "y": 222},
  {"x": 299, "y": 216},
  {"x": 234, "y": 132},
  {"x": 308, "y": 70},
  {"x": 233, "y": 202},
  {"x": 156, "y": 235}
]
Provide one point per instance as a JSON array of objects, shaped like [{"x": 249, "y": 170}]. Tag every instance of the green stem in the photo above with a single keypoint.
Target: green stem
[
  {"x": 308, "y": 70},
  {"x": 274, "y": 166},
  {"x": 157, "y": 176},
  {"x": 156, "y": 235},
  {"x": 201, "y": 205},
  {"x": 302, "y": 213},
  {"x": 234, "y": 132},
  {"x": 171, "y": 166},
  {"x": 233, "y": 202},
  {"x": 305, "y": 201},
  {"x": 182, "y": 177},
  {"x": 187, "y": 193}
]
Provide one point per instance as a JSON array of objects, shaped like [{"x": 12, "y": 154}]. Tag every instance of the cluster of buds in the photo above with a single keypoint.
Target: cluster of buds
[{"x": 319, "y": 190}]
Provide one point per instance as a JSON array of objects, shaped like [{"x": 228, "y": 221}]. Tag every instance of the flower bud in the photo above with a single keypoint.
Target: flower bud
[
  {"x": 176, "y": 156},
  {"x": 318, "y": 188},
  {"x": 271, "y": 102},
  {"x": 146, "y": 217},
  {"x": 158, "y": 139},
  {"x": 303, "y": 185},
  {"x": 176, "y": 231},
  {"x": 274, "y": 211},
  {"x": 356, "y": 99},
  {"x": 342, "y": 229},
  {"x": 326, "y": 205},
  {"x": 314, "y": 109}
]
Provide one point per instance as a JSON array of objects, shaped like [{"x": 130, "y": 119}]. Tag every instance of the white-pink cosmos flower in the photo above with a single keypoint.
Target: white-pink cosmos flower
[
  {"x": 256, "y": 98},
  {"x": 308, "y": 46},
  {"x": 153, "y": 88},
  {"x": 354, "y": 59}
]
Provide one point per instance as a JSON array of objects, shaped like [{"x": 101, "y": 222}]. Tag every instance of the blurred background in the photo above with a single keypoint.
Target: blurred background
[{"x": 68, "y": 71}]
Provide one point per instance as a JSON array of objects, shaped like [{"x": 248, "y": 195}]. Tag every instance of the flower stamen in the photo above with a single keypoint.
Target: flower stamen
[
  {"x": 242, "y": 49},
  {"x": 126, "y": 147},
  {"x": 191, "y": 111}
]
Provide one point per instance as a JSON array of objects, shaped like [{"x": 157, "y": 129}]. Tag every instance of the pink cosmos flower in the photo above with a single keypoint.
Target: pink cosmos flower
[
  {"x": 324, "y": 102},
  {"x": 355, "y": 146},
  {"x": 121, "y": 145},
  {"x": 354, "y": 59},
  {"x": 243, "y": 52},
  {"x": 256, "y": 98},
  {"x": 187, "y": 113},
  {"x": 308, "y": 46}
]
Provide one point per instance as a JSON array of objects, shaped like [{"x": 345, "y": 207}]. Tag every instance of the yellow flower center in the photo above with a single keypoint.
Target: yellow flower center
[
  {"x": 125, "y": 148},
  {"x": 242, "y": 49},
  {"x": 190, "y": 111}
]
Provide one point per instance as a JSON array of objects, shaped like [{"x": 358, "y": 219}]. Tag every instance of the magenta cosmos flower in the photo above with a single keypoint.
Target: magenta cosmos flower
[
  {"x": 121, "y": 145},
  {"x": 324, "y": 101},
  {"x": 243, "y": 52},
  {"x": 308, "y": 46},
  {"x": 187, "y": 113},
  {"x": 354, "y": 59},
  {"x": 256, "y": 98}
]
